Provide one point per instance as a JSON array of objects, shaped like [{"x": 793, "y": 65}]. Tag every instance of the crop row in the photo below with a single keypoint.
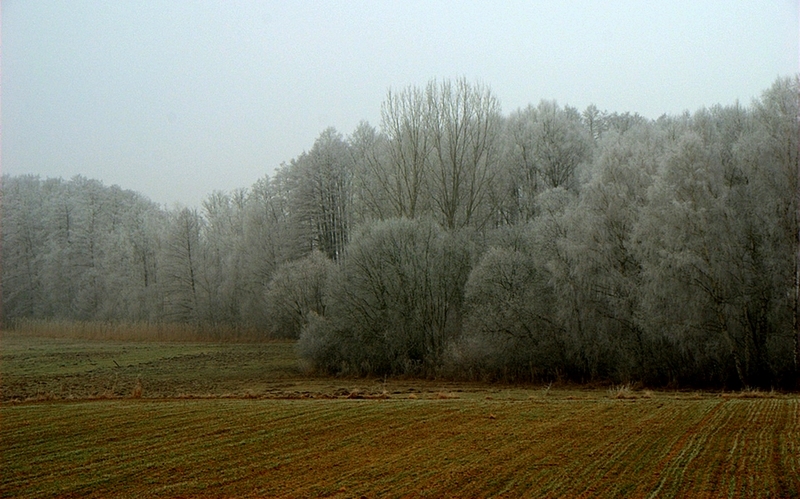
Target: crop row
[{"x": 665, "y": 446}]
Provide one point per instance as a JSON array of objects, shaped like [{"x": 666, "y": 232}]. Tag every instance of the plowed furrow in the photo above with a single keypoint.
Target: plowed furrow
[{"x": 596, "y": 447}]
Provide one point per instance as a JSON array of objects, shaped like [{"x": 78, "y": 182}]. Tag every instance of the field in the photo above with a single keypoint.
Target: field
[{"x": 109, "y": 418}]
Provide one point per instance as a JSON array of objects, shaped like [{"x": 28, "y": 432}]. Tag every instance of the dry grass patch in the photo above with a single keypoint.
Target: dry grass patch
[
  {"x": 752, "y": 393},
  {"x": 137, "y": 389},
  {"x": 621, "y": 392},
  {"x": 627, "y": 392},
  {"x": 446, "y": 395}
]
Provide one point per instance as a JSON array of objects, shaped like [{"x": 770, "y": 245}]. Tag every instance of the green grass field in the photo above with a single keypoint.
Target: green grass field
[
  {"x": 53, "y": 368},
  {"x": 243, "y": 421}
]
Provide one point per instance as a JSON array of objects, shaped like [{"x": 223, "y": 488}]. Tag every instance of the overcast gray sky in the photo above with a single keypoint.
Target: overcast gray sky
[{"x": 175, "y": 99}]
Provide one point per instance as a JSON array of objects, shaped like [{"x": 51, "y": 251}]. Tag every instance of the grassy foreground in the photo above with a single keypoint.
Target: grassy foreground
[{"x": 279, "y": 434}]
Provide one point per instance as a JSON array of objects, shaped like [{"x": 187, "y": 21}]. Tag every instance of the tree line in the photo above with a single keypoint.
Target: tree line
[{"x": 454, "y": 240}]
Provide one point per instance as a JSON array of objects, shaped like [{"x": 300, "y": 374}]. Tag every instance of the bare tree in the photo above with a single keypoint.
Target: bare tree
[
  {"x": 371, "y": 200},
  {"x": 403, "y": 175},
  {"x": 464, "y": 125},
  {"x": 182, "y": 269}
]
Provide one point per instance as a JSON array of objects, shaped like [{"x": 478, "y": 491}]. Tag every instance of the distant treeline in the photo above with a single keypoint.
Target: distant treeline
[{"x": 453, "y": 240}]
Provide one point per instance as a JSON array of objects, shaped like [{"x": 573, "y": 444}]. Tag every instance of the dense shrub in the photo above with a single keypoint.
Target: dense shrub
[
  {"x": 397, "y": 302},
  {"x": 511, "y": 329}
]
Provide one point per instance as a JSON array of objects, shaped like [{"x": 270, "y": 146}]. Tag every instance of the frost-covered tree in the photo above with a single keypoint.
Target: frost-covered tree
[
  {"x": 321, "y": 196},
  {"x": 182, "y": 268},
  {"x": 23, "y": 247},
  {"x": 561, "y": 145},
  {"x": 223, "y": 255},
  {"x": 296, "y": 291},
  {"x": 602, "y": 250},
  {"x": 594, "y": 121},
  {"x": 267, "y": 243},
  {"x": 774, "y": 145},
  {"x": 396, "y": 303},
  {"x": 145, "y": 224},
  {"x": 368, "y": 149},
  {"x": 608, "y": 246},
  {"x": 545, "y": 148},
  {"x": 511, "y": 329},
  {"x": 714, "y": 239},
  {"x": 71, "y": 250}
]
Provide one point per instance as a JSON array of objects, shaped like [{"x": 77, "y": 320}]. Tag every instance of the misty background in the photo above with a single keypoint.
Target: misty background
[{"x": 178, "y": 99}]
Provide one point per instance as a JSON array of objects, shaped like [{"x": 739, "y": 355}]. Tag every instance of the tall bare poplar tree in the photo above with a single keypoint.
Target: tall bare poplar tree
[
  {"x": 402, "y": 177},
  {"x": 464, "y": 126}
]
